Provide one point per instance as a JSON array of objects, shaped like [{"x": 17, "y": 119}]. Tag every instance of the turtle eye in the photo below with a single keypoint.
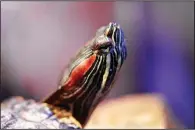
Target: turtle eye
[
  {"x": 105, "y": 45},
  {"x": 103, "y": 42}
]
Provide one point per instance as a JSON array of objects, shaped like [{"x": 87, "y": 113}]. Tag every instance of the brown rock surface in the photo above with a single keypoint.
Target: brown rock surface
[{"x": 132, "y": 112}]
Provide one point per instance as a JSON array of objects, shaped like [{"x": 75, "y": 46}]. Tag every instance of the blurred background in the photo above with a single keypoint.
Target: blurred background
[{"x": 39, "y": 38}]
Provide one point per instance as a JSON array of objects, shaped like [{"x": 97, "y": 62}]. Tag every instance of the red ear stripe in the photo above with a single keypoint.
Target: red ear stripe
[{"x": 79, "y": 72}]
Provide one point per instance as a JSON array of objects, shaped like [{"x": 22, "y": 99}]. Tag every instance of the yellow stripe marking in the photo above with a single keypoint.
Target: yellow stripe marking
[{"x": 105, "y": 76}]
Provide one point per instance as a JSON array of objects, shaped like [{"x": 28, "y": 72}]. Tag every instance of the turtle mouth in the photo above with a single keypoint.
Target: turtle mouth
[
  {"x": 115, "y": 33},
  {"x": 112, "y": 30}
]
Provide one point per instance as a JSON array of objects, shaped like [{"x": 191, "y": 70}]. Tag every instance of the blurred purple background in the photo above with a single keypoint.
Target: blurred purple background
[{"x": 39, "y": 38}]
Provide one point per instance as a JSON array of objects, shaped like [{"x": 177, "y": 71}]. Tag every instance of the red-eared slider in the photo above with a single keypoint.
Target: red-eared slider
[{"x": 86, "y": 81}]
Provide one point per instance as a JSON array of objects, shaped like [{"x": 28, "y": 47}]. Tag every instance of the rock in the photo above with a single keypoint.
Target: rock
[{"x": 138, "y": 111}]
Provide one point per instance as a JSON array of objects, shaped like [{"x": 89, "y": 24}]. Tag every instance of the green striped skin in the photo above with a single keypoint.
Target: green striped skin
[{"x": 90, "y": 75}]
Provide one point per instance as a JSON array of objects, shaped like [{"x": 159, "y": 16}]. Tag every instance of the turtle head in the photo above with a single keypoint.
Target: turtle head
[
  {"x": 109, "y": 47},
  {"x": 110, "y": 39},
  {"x": 91, "y": 74}
]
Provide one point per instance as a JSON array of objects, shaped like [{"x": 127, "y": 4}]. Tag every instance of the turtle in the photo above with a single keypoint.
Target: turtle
[{"x": 84, "y": 83}]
